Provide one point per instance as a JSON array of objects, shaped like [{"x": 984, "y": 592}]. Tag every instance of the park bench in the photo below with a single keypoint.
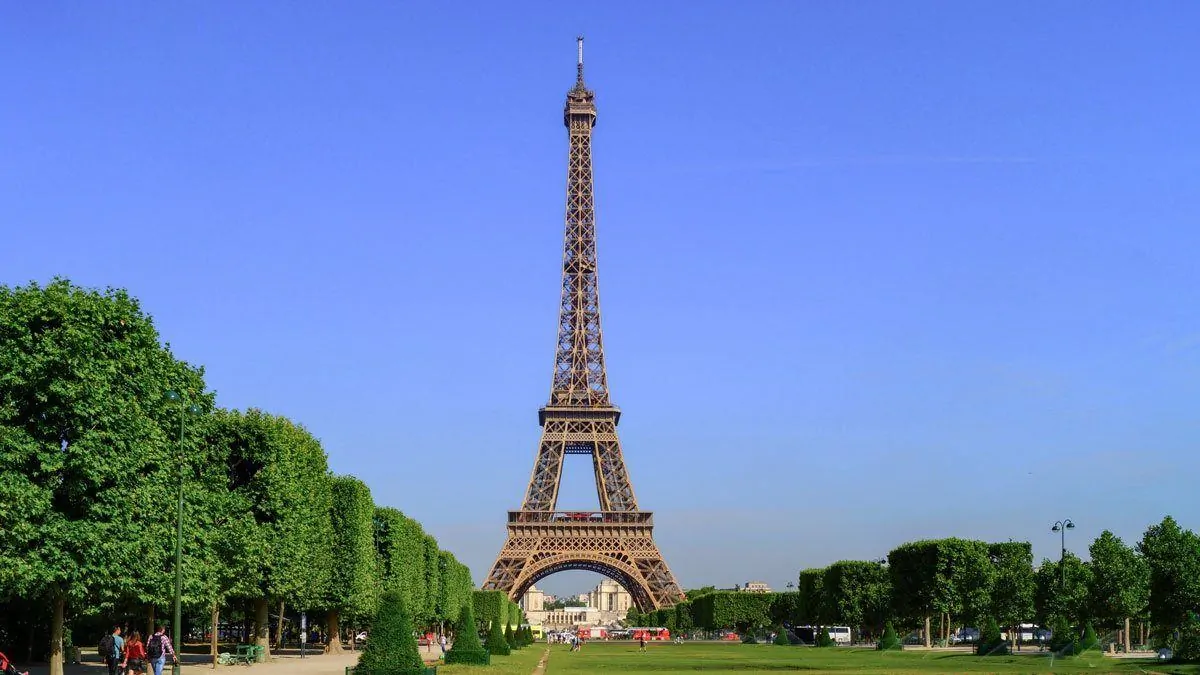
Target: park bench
[{"x": 246, "y": 654}]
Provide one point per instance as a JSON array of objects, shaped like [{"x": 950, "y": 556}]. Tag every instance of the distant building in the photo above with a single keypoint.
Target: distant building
[
  {"x": 534, "y": 600},
  {"x": 610, "y": 597},
  {"x": 756, "y": 587},
  {"x": 606, "y": 605}
]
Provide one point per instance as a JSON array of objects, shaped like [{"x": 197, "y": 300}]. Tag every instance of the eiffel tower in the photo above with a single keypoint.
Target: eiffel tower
[{"x": 616, "y": 541}]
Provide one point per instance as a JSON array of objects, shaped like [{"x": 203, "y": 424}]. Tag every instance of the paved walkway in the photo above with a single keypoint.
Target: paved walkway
[{"x": 288, "y": 662}]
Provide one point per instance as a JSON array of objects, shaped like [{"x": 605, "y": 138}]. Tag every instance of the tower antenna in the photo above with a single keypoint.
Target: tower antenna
[{"x": 579, "y": 66}]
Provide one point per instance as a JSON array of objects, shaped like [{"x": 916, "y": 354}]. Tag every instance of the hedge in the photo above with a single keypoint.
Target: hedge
[{"x": 733, "y": 609}]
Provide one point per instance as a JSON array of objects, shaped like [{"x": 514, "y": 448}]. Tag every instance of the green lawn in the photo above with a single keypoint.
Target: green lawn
[
  {"x": 520, "y": 662},
  {"x": 737, "y": 658}
]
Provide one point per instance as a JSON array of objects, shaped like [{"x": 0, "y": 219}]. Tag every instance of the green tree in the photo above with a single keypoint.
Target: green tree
[
  {"x": 913, "y": 568},
  {"x": 456, "y": 587},
  {"x": 1013, "y": 590},
  {"x": 857, "y": 593},
  {"x": 781, "y": 637},
  {"x": 89, "y": 451},
  {"x": 280, "y": 476},
  {"x": 400, "y": 542},
  {"x": 684, "y": 618},
  {"x": 730, "y": 609},
  {"x": 432, "y": 580},
  {"x": 467, "y": 647},
  {"x": 889, "y": 640},
  {"x": 510, "y": 638},
  {"x": 1120, "y": 585},
  {"x": 1062, "y": 639},
  {"x": 785, "y": 608},
  {"x": 810, "y": 597},
  {"x": 1173, "y": 555},
  {"x": 990, "y": 643},
  {"x": 392, "y": 649},
  {"x": 1062, "y": 595},
  {"x": 352, "y": 590},
  {"x": 496, "y": 644},
  {"x": 1089, "y": 641}
]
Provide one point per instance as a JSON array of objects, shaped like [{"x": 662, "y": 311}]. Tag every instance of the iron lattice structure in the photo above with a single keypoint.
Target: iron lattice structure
[{"x": 617, "y": 540}]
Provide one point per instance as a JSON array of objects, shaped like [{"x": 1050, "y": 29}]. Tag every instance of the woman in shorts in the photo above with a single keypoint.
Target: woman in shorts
[{"x": 135, "y": 655}]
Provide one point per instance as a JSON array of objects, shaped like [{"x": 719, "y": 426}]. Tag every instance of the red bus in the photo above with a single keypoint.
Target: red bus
[{"x": 649, "y": 634}]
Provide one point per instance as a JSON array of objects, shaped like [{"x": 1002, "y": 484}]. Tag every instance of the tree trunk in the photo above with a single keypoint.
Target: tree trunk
[
  {"x": 927, "y": 641},
  {"x": 279, "y": 628},
  {"x": 56, "y": 636},
  {"x": 150, "y": 621},
  {"x": 333, "y": 645},
  {"x": 353, "y": 637},
  {"x": 262, "y": 628},
  {"x": 216, "y": 621},
  {"x": 1141, "y": 632}
]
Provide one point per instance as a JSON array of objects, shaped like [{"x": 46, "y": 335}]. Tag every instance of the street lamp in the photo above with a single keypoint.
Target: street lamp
[
  {"x": 1061, "y": 528},
  {"x": 177, "y": 638}
]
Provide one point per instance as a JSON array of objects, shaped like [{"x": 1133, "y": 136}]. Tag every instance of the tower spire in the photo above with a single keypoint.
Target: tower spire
[{"x": 579, "y": 67}]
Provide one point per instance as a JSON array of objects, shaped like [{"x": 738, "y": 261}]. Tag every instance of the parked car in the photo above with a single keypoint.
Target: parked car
[{"x": 967, "y": 635}]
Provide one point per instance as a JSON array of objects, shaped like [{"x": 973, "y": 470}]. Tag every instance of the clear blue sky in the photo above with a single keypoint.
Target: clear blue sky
[{"x": 871, "y": 271}]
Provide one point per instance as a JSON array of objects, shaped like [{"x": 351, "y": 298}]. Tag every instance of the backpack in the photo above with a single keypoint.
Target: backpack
[
  {"x": 106, "y": 646},
  {"x": 154, "y": 648}
]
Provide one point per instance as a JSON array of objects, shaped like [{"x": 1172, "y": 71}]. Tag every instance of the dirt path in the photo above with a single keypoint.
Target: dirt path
[
  {"x": 541, "y": 666},
  {"x": 312, "y": 664}
]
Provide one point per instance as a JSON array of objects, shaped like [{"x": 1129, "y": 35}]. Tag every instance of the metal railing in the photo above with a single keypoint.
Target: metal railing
[{"x": 582, "y": 517}]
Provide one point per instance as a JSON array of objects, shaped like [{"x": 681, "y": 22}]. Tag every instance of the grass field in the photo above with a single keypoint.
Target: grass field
[
  {"x": 520, "y": 662},
  {"x": 717, "y": 659}
]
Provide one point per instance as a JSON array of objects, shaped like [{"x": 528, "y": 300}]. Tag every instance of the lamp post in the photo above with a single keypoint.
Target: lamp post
[
  {"x": 176, "y": 637},
  {"x": 1061, "y": 528}
]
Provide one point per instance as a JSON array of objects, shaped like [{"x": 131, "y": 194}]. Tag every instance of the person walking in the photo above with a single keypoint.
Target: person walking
[
  {"x": 158, "y": 648},
  {"x": 442, "y": 642},
  {"x": 135, "y": 655},
  {"x": 111, "y": 647},
  {"x": 642, "y": 643}
]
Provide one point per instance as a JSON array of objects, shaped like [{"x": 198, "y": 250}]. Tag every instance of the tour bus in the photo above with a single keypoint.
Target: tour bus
[
  {"x": 839, "y": 634},
  {"x": 648, "y": 634}
]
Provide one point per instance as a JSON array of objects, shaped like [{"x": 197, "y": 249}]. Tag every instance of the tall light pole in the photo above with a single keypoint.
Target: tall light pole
[
  {"x": 176, "y": 638},
  {"x": 1061, "y": 528}
]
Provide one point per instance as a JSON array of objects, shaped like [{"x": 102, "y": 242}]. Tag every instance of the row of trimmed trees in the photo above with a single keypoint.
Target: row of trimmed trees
[
  {"x": 93, "y": 451},
  {"x": 937, "y": 585}
]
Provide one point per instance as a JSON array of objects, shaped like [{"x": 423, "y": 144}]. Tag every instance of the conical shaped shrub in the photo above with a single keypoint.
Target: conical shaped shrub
[
  {"x": 511, "y": 638},
  {"x": 392, "y": 649},
  {"x": 889, "y": 640},
  {"x": 496, "y": 644},
  {"x": 467, "y": 648},
  {"x": 1089, "y": 640},
  {"x": 990, "y": 643},
  {"x": 822, "y": 638},
  {"x": 781, "y": 637},
  {"x": 1062, "y": 639}
]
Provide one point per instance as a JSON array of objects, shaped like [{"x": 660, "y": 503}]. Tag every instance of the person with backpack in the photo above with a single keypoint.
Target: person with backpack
[
  {"x": 135, "y": 655},
  {"x": 110, "y": 649},
  {"x": 158, "y": 647}
]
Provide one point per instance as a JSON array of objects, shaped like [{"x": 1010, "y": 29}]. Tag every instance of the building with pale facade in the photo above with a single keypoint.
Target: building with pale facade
[
  {"x": 607, "y": 605},
  {"x": 755, "y": 587}
]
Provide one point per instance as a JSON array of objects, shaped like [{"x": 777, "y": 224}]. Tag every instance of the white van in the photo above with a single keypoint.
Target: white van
[{"x": 840, "y": 634}]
